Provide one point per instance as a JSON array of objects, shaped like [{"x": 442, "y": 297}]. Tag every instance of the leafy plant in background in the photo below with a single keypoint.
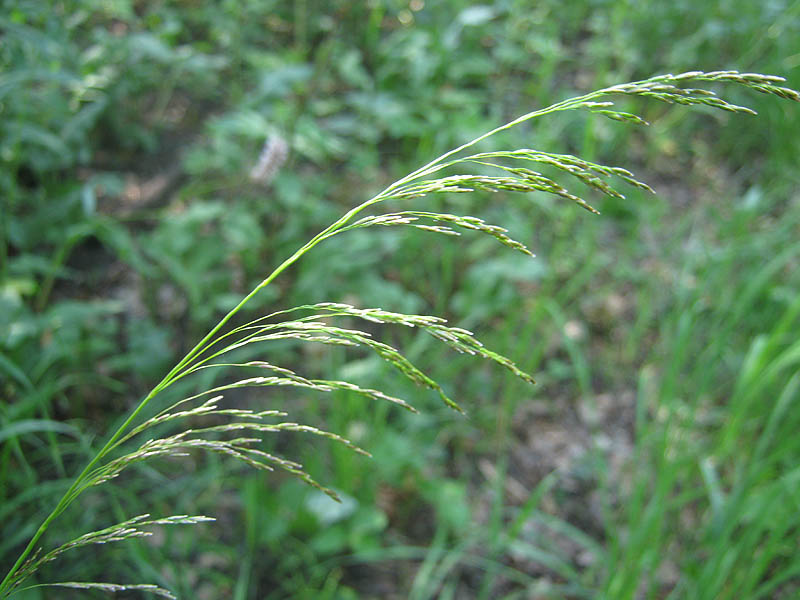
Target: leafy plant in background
[{"x": 210, "y": 425}]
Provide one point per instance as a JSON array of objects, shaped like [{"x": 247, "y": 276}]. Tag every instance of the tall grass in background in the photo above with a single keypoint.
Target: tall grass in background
[{"x": 629, "y": 564}]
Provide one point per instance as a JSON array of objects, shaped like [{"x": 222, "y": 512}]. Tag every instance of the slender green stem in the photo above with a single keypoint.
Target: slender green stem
[{"x": 56, "y": 263}]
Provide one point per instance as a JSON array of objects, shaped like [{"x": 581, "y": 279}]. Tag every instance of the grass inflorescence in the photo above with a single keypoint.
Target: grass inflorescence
[{"x": 242, "y": 430}]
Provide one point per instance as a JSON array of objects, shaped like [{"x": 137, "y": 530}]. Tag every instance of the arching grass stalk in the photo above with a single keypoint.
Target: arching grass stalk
[{"x": 515, "y": 176}]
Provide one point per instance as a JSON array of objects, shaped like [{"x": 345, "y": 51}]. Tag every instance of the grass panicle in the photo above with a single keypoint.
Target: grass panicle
[{"x": 506, "y": 173}]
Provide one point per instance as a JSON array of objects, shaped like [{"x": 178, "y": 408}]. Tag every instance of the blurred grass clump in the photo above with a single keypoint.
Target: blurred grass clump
[{"x": 656, "y": 458}]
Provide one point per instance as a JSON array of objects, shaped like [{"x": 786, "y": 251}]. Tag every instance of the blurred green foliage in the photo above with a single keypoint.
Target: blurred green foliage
[{"x": 687, "y": 303}]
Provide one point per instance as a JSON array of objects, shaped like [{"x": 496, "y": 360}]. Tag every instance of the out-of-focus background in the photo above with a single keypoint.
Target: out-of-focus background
[{"x": 657, "y": 457}]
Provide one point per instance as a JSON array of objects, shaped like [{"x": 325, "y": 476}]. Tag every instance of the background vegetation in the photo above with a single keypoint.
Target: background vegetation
[{"x": 657, "y": 456}]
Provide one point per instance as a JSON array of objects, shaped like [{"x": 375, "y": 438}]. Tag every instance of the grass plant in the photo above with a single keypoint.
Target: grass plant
[{"x": 162, "y": 427}]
